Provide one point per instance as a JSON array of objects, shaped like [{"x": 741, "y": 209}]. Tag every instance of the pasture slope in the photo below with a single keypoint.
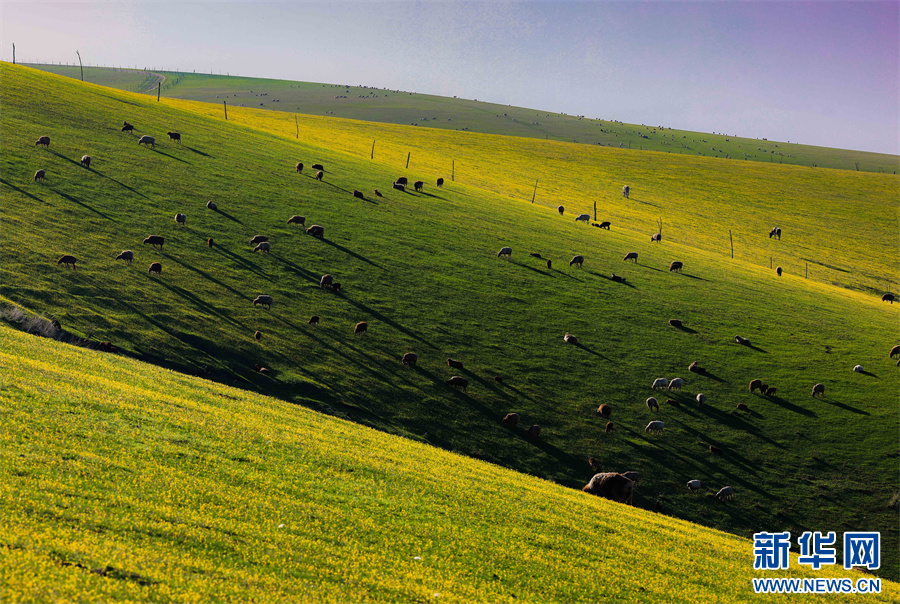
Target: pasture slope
[
  {"x": 421, "y": 269},
  {"x": 123, "y": 482},
  {"x": 411, "y": 108}
]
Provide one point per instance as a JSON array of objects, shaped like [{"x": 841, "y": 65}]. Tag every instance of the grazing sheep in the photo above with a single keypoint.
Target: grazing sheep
[
  {"x": 570, "y": 339},
  {"x": 209, "y": 242},
  {"x": 771, "y": 391},
  {"x": 693, "y": 484},
  {"x": 818, "y": 389},
  {"x": 127, "y": 256},
  {"x": 510, "y": 420},
  {"x": 585, "y": 218},
  {"x": 561, "y": 210},
  {"x": 180, "y": 219},
  {"x": 399, "y": 186},
  {"x": 631, "y": 256},
  {"x": 296, "y": 219},
  {"x": 498, "y": 379},
  {"x": 605, "y": 225},
  {"x": 755, "y": 384},
  {"x": 655, "y": 426},
  {"x": 676, "y": 266},
  {"x": 263, "y": 300},
  {"x": 358, "y": 194},
  {"x": 319, "y": 175},
  {"x": 455, "y": 364},
  {"x": 418, "y": 186},
  {"x": 361, "y": 328},
  {"x": 695, "y": 368},
  {"x": 458, "y": 381},
  {"x": 126, "y": 127},
  {"x": 741, "y": 341},
  {"x": 778, "y": 271},
  {"x": 68, "y": 260},
  {"x": 579, "y": 260},
  {"x": 43, "y": 141},
  {"x": 211, "y": 205},
  {"x": 652, "y": 404},
  {"x": 156, "y": 267},
  {"x": 885, "y": 298},
  {"x": 317, "y": 167},
  {"x": 505, "y": 251},
  {"x": 609, "y": 426},
  {"x": 700, "y": 398},
  {"x": 316, "y": 231},
  {"x": 741, "y": 407},
  {"x": 263, "y": 371},
  {"x": 175, "y": 136},
  {"x": 326, "y": 280},
  {"x": 617, "y": 278},
  {"x": 657, "y": 237},
  {"x": 672, "y": 402},
  {"x": 612, "y": 486},
  {"x": 858, "y": 369},
  {"x": 676, "y": 384},
  {"x": 258, "y": 239},
  {"x": 314, "y": 320},
  {"x": 86, "y": 161},
  {"x": 263, "y": 246},
  {"x": 336, "y": 288},
  {"x": 632, "y": 475},
  {"x": 409, "y": 358},
  {"x": 660, "y": 384},
  {"x": 155, "y": 240},
  {"x": 534, "y": 432},
  {"x": 775, "y": 232},
  {"x": 147, "y": 140},
  {"x": 535, "y": 255},
  {"x": 725, "y": 494},
  {"x": 675, "y": 323},
  {"x": 625, "y": 191},
  {"x": 40, "y": 175},
  {"x": 549, "y": 265},
  {"x": 895, "y": 351},
  {"x": 604, "y": 410},
  {"x": 402, "y": 180},
  {"x": 378, "y": 193},
  {"x": 299, "y": 167},
  {"x": 715, "y": 450},
  {"x": 440, "y": 182},
  {"x": 257, "y": 336}
]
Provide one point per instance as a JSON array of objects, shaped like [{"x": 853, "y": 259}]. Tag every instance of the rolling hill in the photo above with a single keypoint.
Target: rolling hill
[
  {"x": 422, "y": 270},
  {"x": 372, "y": 104}
]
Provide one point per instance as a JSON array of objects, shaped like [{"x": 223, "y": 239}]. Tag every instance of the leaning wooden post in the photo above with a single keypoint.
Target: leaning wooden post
[
  {"x": 452, "y": 170},
  {"x": 159, "y": 89},
  {"x": 407, "y": 159},
  {"x": 373, "y": 151},
  {"x": 297, "y": 124},
  {"x": 224, "y": 104},
  {"x": 730, "y": 238},
  {"x": 595, "y": 210},
  {"x": 14, "y": 54}
]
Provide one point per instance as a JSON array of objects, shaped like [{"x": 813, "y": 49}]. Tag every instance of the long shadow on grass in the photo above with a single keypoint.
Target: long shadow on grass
[
  {"x": 610, "y": 279},
  {"x": 531, "y": 268},
  {"x": 732, "y": 421},
  {"x": 685, "y": 329},
  {"x": 756, "y": 348},
  {"x": 709, "y": 374},
  {"x": 83, "y": 205},
  {"x": 591, "y": 350},
  {"x": 172, "y": 156},
  {"x": 640, "y": 201},
  {"x": 201, "y": 304},
  {"x": 689, "y": 276},
  {"x": 792, "y": 407},
  {"x": 206, "y": 276},
  {"x": 847, "y": 407},
  {"x": 384, "y": 319},
  {"x": 301, "y": 272},
  {"x": 98, "y": 173},
  {"x": 23, "y": 191},
  {"x": 228, "y": 216},
  {"x": 351, "y": 253},
  {"x": 564, "y": 274},
  {"x": 242, "y": 261},
  {"x": 197, "y": 152}
]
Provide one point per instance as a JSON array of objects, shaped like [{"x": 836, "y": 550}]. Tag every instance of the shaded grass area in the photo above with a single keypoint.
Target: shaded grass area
[{"x": 421, "y": 269}]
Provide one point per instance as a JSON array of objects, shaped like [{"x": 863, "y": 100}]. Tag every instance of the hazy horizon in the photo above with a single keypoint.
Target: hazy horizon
[{"x": 816, "y": 73}]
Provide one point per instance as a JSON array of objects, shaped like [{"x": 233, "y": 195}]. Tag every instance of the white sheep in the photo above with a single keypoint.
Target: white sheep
[
  {"x": 585, "y": 218},
  {"x": 505, "y": 251},
  {"x": 655, "y": 426},
  {"x": 858, "y": 369},
  {"x": 263, "y": 246},
  {"x": 725, "y": 494},
  {"x": 701, "y": 398},
  {"x": 676, "y": 384},
  {"x": 660, "y": 383},
  {"x": 693, "y": 484}
]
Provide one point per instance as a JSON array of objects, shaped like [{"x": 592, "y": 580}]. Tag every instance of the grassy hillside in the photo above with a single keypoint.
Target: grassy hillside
[
  {"x": 125, "y": 482},
  {"x": 410, "y": 108},
  {"x": 421, "y": 268}
]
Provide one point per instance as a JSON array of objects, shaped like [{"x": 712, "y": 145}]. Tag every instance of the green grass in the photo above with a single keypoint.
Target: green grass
[
  {"x": 422, "y": 270},
  {"x": 125, "y": 482},
  {"x": 407, "y": 108}
]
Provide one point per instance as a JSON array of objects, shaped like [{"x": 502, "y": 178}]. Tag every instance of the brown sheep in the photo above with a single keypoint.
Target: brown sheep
[
  {"x": 68, "y": 260},
  {"x": 611, "y": 485},
  {"x": 156, "y": 267},
  {"x": 378, "y": 193},
  {"x": 754, "y": 384},
  {"x": 40, "y": 175},
  {"x": 314, "y": 320},
  {"x": 127, "y": 256},
  {"x": 409, "y": 358},
  {"x": 498, "y": 379},
  {"x": 455, "y": 364},
  {"x": 209, "y": 242},
  {"x": 579, "y": 260},
  {"x": 317, "y": 167},
  {"x": 358, "y": 194},
  {"x": 675, "y": 323},
  {"x": 459, "y": 382},
  {"x": 888, "y": 298},
  {"x": 126, "y": 127},
  {"x": 263, "y": 300},
  {"x": 316, "y": 231},
  {"x": 715, "y": 450},
  {"x": 361, "y": 328},
  {"x": 549, "y": 265},
  {"x": 652, "y": 404},
  {"x": 399, "y": 186},
  {"x": 402, "y": 180},
  {"x": 604, "y": 410},
  {"x": 536, "y": 255},
  {"x": 326, "y": 280},
  {"x": 778, "y": 270},
  {"x": 299, "y": 167},
  {"x": 695, "y": 368},
  {"x": 510, "y": 420},
  {"x": 86, "y": 161},
  {"x": 336, "y": 287},
  {"x": 258, "y": 239},
  {"x": 771, "y": 391},
  {"x": 676, "y": 266},
  {"x": 673, "y": 402},
  {"x": 895, "y": 351},
  {"x": 297, "y": 219},
  {"x": 319, "y": 175},
  {"x": 418, "y": 186},
  {"x": 617, "y": 278},
  {"x": 764, "y": 389},
  {"x": 440, "y": 182},
  {"x": 534, "y": 432},
  {"x": 257, "y": 336},
  {"x": 155, "y": 240},
  {"x": 175, "y": 136},
  {"x": 609, "y": 426},
  {"x": 561, "y": 210},
  {"x": 43, "y": 141},
  {"x": 570, "y": 339},
  {"x": 605, "y": 225},
  {"x": 631, "y": 256},
  {"x": 819, "y": 389},
  {"x": 741, "y": 406}
]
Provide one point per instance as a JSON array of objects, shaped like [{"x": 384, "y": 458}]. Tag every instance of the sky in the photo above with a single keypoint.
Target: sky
[{"x": 819, "y": 73}]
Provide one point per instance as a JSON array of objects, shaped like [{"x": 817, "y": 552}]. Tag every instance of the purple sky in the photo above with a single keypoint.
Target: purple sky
[{"x": 821, "y": 73}]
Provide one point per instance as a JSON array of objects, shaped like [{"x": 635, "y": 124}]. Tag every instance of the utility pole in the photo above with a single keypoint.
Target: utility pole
[
  {"x": 296, "y": 123},
  {"x": 535, "y": 192},
  {"x": 80, "y": 65},
  {"x": 14, "y": 54},
  {"x": 226, "y": 110},
  {"x": 407, "y": 159},
  {"x": 158, "y": 90},
  {"x": 373, "y": 151},
  {"x": 730, "y": 238}
]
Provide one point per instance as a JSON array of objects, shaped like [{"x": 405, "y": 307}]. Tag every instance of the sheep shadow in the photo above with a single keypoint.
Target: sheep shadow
[
  {"x": 388, "y": 321},
  {"x": 752, "y": 347},
  {"x": 846, "y": 407},
  {"x": 351, "y": 253},
  {"x": 98, "y": 173},
  {"x": 689, "y": 276},
  {"x": 642, "y": 202},
  {"x": 23, "y": 191},
  {"x": 868, "y": 373},
  {"x": 201, "y": 304},
  {"x": 565, "y": 274},
  {"x": 228, "y": 216},
  {"x": 610, "y": 279},
  {"x": 305, "y": 274},
  {"x": 205, "y": 275},
  {"x": 711, "y": 375},
  {"x": 684, "y": 329},
  {"x": 531, "y": 268},
  {"x": 197, "y": 152},
  {"x": 591, "y": 350},
  {"x": 505, "y": 386},
  {"x": 792, "y": 407},
  {"x": 83, "y": 205},
  {"x": 246, "y": 264},
  {"x": 155, "y": 150}
]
